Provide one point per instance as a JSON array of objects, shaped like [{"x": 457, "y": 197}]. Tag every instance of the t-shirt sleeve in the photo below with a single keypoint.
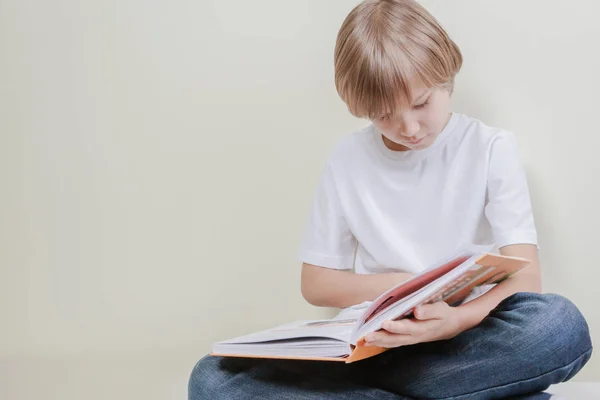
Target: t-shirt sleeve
[
  {"x": 508, "y": 207},
  {"x": 328, "y": 241}
]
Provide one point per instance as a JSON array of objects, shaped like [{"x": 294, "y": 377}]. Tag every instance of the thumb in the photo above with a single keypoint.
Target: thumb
[{"x": 431, "y": 311}]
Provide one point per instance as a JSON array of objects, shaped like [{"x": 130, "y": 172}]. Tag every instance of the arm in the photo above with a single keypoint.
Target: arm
[
  {"x": 327, "y": 287},
  {"x": 526, "y": 280},
  {"x": 509, "y": 212}
]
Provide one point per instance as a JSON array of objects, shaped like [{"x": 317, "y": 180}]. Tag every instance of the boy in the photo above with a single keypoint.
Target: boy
[{"x": 395, "y": 198}]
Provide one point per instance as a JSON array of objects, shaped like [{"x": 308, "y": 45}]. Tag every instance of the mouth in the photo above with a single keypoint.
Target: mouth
[{"x": 416, "y": 142}]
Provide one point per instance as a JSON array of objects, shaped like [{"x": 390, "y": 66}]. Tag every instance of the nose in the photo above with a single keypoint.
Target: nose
[{"x": 408, "y": 128}]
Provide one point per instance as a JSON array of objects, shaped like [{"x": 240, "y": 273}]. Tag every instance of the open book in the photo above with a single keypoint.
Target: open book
[{"x": 342, "y": 338}]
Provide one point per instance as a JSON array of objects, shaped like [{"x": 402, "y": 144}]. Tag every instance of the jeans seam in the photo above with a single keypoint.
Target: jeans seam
[{"x": 517, "y": 382}]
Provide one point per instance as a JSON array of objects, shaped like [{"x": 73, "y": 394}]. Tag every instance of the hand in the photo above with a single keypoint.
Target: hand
[{"x": 436, "y": 321}]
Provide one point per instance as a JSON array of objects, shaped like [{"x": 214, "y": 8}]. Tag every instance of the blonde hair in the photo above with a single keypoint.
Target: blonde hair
[{"x": 383, "y": 46}]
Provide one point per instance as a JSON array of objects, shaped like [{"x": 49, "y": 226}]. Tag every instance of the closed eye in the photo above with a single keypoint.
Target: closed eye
[{"x": 422, "y": 105}]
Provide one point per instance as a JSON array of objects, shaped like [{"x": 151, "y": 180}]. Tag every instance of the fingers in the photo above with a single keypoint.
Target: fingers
[
  {"x": 409, "y": 326},
  {"x": 403, "y": 332},
  {"x": 426, "y": 326},
  {"x": 389, "y": 340},
  {"x": 437, "y": 310}
]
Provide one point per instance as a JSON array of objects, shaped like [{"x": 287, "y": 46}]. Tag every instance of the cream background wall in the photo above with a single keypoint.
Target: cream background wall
[{"x": 158, "y": 159}]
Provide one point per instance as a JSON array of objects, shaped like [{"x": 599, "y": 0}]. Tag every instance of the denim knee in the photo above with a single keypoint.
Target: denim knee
[
  {"x": 204, "y": 378},
  {"x": 552, "y": 321}
]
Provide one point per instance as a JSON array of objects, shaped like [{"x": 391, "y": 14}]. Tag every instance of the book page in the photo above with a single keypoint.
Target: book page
[
  {"x": 301, "y": 339},
  {"x": 337, "y": 329},
  {"x": 410, "y": 286}
]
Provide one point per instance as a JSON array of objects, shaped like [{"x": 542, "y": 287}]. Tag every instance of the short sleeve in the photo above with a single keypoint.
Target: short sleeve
[
  {"x": 328, "y": 241},
  {"x": 508, "y": 207}
]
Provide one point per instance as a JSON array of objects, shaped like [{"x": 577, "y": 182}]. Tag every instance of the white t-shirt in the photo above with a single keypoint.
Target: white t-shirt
[{"x": 379, "y": 210}]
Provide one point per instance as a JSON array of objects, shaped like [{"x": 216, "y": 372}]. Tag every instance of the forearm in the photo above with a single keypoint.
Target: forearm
[
  {"x": 527, "y": 280},
  {"x": 340, "y": 289},
  {"x": 473, "y": 312}
]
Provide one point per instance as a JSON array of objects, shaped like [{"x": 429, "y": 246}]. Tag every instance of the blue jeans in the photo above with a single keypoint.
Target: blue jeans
[{"x": 527, "y": 343}]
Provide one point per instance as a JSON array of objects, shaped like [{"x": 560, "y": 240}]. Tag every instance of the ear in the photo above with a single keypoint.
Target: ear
[{"x": 450, "y": 87}]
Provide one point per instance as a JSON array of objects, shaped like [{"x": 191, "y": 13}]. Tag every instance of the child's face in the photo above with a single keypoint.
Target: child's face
[{"x": 416, "y": 126}]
